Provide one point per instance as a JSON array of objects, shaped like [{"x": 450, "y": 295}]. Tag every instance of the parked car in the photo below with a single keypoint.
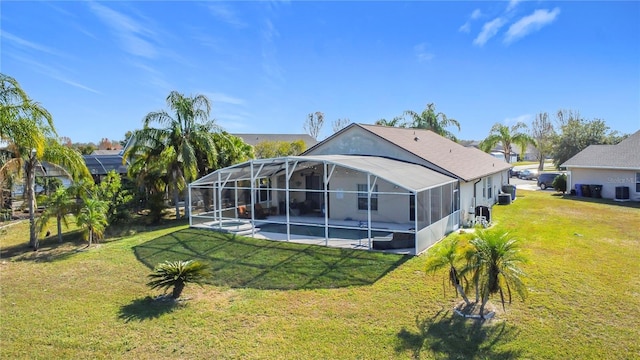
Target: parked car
[
  {"x": 514, "y": 173},
  {"x": 528, "y": 174},
  {"x": 545, "y": 180}
]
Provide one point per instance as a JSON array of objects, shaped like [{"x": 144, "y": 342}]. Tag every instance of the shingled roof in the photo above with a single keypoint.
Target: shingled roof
[
  {"x": 466, "y": 163},
  {"x": 624, "y": 155}
]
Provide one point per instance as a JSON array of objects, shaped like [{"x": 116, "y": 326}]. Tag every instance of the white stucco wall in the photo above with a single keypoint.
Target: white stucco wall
[{"x": 609, "y": 179}]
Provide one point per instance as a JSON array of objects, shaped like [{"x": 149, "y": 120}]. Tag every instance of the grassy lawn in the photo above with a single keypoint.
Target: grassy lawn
[{"x": 290, "y": 301}]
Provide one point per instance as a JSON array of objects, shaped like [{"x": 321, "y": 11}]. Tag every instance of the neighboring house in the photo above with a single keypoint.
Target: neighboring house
[
  {"x": 611, "y": 166},
  {"x": 254, "y": 139},
  {"x": 100, "y": 162},
  {"x": 410, "y": 184}
]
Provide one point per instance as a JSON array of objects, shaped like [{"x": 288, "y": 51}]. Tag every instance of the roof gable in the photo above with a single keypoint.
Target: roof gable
[
  {"x": 416, "y": 145},
  {"x": 624, "y": 155}
]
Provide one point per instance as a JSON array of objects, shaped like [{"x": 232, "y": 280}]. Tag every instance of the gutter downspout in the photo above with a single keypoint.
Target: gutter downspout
[{"x": 473, "y": 206}]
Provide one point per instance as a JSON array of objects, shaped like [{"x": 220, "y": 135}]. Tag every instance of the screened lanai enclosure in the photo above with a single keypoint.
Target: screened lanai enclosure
[{"x": 352, "y": 201}]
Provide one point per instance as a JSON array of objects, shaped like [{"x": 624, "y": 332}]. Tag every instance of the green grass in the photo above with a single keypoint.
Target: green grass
[
  {"x": 242, "y": 262},
  {"x": 290, "y": 301}
]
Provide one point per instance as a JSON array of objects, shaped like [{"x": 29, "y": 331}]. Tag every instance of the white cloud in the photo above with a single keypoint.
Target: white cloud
[
  {"x": 466, "y": 27},
  {"x": 223, "y": 98},
  {"x": 422, "y": 53},
  {"x": 530, "y": 23},
  {"x": 134, "y": 37},
  {"x": 525, "y": 118},
  {"x": 512, "y": 4},
  {"x": 273, "y": 71},
  {"x": 54, "y": 73},
  {"x": 489, "y": 30},
  {"x": 29, "y": 44},
  {"x": 225, "y": 14}
]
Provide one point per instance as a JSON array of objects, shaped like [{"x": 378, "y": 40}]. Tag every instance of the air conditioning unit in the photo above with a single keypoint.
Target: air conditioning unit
[{"x": 622, "y": 193}]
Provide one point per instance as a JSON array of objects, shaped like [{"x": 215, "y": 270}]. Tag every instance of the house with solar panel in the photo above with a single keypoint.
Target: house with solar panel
[
  {"x": 366, "y": 186},
  {"x": 100, "y": 162}
]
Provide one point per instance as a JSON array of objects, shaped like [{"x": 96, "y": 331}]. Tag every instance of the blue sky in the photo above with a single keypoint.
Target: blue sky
[{"x": 100, "y": 67}]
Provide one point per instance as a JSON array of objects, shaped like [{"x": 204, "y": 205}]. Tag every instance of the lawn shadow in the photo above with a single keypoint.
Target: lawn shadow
[
  {"x": 50, "y": 248},
  {"x": 448, "y": 336},
  {"x": 628, "y": 204},
  {"x": 242, "y": 262},
  {"x": 147, "y": 308}
]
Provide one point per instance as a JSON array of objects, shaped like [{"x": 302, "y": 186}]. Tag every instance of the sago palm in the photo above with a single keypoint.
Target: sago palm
[{"x": 177, "y": 274}]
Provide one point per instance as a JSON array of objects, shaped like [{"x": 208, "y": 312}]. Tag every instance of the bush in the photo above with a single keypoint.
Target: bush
[
  {"x": 177, "y": 274},
  {"x": 560, "y": 183}
]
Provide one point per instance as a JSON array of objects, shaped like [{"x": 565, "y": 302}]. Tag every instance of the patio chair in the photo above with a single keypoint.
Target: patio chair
[{"x": 259, "y": 212}]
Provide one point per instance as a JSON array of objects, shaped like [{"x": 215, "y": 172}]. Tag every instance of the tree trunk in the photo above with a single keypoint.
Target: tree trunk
[
  {"x": 176, "y": 198},
  {"x": 485, "y": 299},
  {"x": 30, "y": 173},
  {"x": 463, "y": 294},
  {"x": 90, "y": 237},
  {"x": 59, "y": 218},
  {"x": 541, "y": 163},
  {"x": 177, "y": 289}
]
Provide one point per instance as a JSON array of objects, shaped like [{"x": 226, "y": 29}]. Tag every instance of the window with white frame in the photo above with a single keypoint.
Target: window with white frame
[{"x": 362, "y": 197}]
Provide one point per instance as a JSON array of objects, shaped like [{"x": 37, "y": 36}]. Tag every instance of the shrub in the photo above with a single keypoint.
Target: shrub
[
  {"x": 560, "y": 183},
  {"x": 177, "y": 274}
]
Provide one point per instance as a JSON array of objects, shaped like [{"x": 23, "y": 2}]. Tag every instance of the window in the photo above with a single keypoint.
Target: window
[
  {"x": 362, "y": 197},
  {"x": 638, "y": 182}
]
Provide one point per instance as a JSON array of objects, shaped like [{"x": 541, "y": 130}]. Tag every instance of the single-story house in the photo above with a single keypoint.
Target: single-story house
[
  {"x": 392, "y": 187},
  {"x": 615, "y": 168}
]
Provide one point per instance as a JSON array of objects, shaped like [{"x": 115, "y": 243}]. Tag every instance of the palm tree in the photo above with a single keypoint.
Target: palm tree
[
  {"x": 58, "y": 205},
  {"x": 445, "y": 254},
  {"x": 29, "y": 130},
  {"x": 430, "y": 120},
  {"x": 395, "y": 122},
  {"x": 177, "y": 274},
  {"x": 93, "y": 218},
  {"x": 494, "y": 262},
  {"x": 507, "y": 136},
  {"x": 175, "y": 145}
]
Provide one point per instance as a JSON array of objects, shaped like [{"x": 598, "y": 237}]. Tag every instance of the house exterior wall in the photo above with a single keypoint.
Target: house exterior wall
[
  {"x": 483, "y": 197},
  {"x": 608, "y": 178},
  {"x": 343, "y": 199}
]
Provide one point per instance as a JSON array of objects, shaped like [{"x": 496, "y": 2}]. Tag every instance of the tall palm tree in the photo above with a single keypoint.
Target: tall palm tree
[
  {"x": 175, "y": 144},
  {"x": 495, "y": 265},
  {"x": 429, "y": 119},
  {"x": 445, "y": 255},
  {"x": 28, "y": 127},
  {"x": 507, "y": 136},
  {"x": 93, "y": 218},
  {"x": 58, "y": 205}
]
